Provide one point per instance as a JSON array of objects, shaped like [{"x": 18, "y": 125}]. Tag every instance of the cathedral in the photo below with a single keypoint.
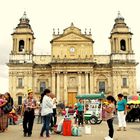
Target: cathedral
[{"x": 72, "y": 68}]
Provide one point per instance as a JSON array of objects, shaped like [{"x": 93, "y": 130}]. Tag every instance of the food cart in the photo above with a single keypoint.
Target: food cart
[{"x": 94, "y": 102}]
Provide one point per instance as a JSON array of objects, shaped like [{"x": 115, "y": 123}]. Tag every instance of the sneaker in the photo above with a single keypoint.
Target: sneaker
[{"x": 108, "y": 138}]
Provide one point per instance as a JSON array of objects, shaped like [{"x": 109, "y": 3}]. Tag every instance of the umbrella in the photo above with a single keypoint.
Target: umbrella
[
  {"x": 135, "y": 97},
  {"x": 133, "y": 102},
  {"x": 137, "y": 102}
]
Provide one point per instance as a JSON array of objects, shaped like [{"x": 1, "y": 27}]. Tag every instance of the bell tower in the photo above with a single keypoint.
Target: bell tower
[
  {"x": 21, "y": 59},
  {"x": 23, "y": 37},
  {"x": 121, "y": 37},
  {"x": 122, "y": 60}
]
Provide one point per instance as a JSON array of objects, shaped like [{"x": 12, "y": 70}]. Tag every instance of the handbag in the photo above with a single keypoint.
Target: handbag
[{"x": 7, "y": 108}]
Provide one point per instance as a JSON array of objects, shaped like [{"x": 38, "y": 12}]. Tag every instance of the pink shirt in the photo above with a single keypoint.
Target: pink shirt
[{"x": 1, "y": 101}]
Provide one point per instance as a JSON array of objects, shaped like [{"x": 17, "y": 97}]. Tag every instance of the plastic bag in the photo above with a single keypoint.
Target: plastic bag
[{"x": 87, "y": 129}]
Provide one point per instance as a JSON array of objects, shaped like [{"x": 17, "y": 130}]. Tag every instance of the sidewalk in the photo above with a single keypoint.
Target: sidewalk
[{"x": 14, "y": 132}]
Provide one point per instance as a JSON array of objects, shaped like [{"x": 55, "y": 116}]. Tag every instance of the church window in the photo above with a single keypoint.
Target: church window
[
  {"x": 123, "y": 45},
  {"x": 21, "y": 46},
  {"x": 124, "y": 82},
  {"x": 42, "y": 86},
  {"x": 20, "y": 82},
  {"x": 101, "y": 86}
]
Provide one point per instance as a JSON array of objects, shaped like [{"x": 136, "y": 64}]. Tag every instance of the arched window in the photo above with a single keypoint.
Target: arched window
[
  {"x": 42, "y": 86},
  {"x": 123, "y": 45},
  {"x": 21, "y": 46},
  {"x": 19, "y": 100},
  {"x": 101, "y": 86}
]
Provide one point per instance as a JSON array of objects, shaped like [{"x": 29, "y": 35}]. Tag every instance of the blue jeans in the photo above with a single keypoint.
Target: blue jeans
[{"x": 46, "y": 123}]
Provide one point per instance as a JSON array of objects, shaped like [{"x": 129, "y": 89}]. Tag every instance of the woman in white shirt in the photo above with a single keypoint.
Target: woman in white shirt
[{"x": 46, "y": 111}]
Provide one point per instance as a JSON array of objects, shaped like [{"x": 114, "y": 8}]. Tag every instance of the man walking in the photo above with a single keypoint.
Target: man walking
[{"x": 28, "y": 108}]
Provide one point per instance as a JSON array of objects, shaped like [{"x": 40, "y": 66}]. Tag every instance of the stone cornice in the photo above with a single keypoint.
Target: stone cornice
[
  {"x": 102, "y": 65},
  {"x": 20, "y": 64},
  {"x": 41, "y": 66}
]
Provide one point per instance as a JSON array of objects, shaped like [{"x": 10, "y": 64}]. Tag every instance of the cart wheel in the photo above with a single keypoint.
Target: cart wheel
[
  {"x": 93, "y": 120},
  {"x": 86, "y": 121},
  {"x": 99, "y": 121}
]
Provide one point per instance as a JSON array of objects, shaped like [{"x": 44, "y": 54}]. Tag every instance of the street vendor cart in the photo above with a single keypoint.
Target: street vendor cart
[{"x": 93, "y": 107}]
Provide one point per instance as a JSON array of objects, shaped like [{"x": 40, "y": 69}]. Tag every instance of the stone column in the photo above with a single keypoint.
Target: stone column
[
  {"x": 79, "y": 82},
  {"x": 134, "y": 82},
  {"x": 58, "y": 86},
  {"x": 53, "y": 83},
  {"x": 91, "y": 82},
  {"x": 117, "y": 45},
  {"x": 130, "y": 45},
  {"x": 15, "y": 83},
  {"x": 128, "y": 42},
  {"x": 11, "y": 83},
  {"x": 27, "y": 45},
  {"x": 114, "y": 45},
  {"x": 65, "y": 89},
  {"x": 86, "y": 82},
  {"x": 13, "y": 45},
  {"x": 16, "y": 45}
]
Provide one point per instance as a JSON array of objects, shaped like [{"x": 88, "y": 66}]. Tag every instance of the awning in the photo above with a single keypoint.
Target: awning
[
  {"x": 133, "y": 102},
  {"x": 91, "y": 96}
]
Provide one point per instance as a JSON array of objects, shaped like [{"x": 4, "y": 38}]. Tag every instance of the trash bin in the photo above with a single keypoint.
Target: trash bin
[{"x": 67, "y": 127}]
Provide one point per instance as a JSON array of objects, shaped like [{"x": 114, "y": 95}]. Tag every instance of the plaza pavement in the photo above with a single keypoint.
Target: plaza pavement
[{"x": 99, "y": 131}]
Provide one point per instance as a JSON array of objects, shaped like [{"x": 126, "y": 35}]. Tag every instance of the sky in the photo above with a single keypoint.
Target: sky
[{"x": 45, "y": 15}]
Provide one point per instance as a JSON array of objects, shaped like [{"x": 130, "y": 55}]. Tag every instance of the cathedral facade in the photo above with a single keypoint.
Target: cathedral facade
[{"x": 72, "y": 68}]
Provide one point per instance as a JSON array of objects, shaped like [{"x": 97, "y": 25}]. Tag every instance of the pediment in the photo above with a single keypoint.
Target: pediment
[{"x": 72, "y": 37}]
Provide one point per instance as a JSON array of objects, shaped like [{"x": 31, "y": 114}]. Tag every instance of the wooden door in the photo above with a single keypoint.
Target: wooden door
[{"x": 72, "y": 98}]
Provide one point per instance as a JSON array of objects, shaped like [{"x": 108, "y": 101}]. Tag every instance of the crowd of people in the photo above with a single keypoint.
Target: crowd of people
[{"x": 48, "y": 114}]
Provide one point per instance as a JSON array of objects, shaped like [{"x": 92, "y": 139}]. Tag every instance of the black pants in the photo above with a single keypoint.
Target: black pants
[
  {"x": 54, "y": 117},
  {"x": 28, "y": 121},
  {"x": 80, "y": 117},
  {"x": 110, "y": 126}
]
